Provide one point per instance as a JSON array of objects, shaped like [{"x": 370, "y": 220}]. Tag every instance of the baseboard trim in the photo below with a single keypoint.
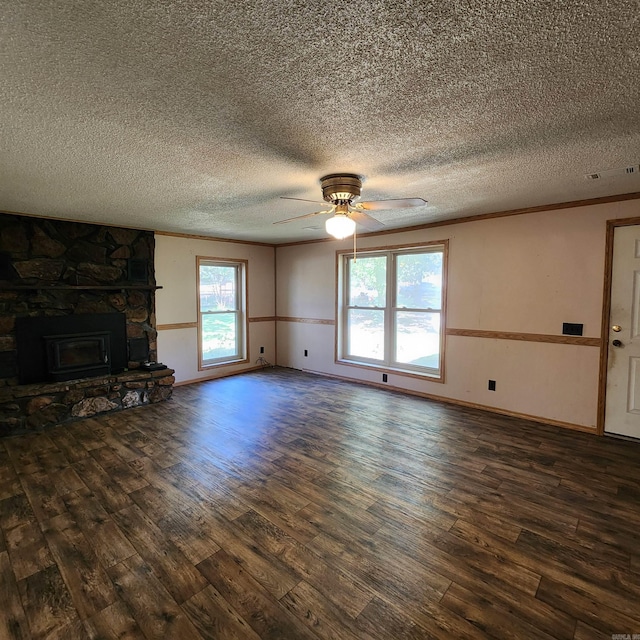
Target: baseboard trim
[
  {"x": 463, "y": 403},
  {"x": 221, "y": 374}
]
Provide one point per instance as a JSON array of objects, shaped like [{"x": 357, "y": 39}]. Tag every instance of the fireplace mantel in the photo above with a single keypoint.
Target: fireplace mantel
[{"x": 78, "y": 287}]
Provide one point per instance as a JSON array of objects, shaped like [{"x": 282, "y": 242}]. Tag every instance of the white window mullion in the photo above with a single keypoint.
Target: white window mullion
[{"x": 391, "y": 306}]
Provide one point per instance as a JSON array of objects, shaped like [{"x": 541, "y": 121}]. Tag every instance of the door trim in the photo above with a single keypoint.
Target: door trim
[{"x": 606, "y": 310}]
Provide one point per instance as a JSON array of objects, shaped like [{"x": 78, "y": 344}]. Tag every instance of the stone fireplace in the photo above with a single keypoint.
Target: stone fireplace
[{"x": 77, "y": 321}]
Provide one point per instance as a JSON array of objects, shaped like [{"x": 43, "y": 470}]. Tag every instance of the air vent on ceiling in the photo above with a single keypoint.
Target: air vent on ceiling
[{"x": 632, "y": 169}]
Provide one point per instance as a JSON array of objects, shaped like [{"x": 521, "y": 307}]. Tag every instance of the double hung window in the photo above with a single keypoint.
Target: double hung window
[
  {"x": 222, "y": 327},
  {"x": 391, "y": 309}
]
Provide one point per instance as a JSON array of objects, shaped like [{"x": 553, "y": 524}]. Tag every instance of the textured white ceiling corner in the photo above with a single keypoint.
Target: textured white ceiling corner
[{"x": 196, "y": 116}]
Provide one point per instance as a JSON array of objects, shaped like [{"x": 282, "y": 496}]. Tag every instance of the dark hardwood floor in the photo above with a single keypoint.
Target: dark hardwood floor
[{"x": 282, "y": 505}]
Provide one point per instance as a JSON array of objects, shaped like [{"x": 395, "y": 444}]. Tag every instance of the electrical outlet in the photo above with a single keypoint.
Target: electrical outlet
[
  {"x": 492, "y": 385},
  {"x": 306, "y": 353},
  {"x": 261, "y": 349},
  {"x": 384, "y": 377}
]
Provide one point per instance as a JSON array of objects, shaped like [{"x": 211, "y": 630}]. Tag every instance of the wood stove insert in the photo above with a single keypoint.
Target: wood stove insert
[
  {"x": 78, "y": 355},
  {"x": 59, "y": 348}
]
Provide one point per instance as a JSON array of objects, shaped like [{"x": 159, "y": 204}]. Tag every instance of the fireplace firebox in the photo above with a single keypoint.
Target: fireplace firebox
[
  {"x": 78, "y": 355},
  {"x": 59, "y": 348}
]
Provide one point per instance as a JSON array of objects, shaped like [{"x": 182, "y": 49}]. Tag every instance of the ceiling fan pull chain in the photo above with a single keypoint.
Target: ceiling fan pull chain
[{"x": 355, "y": 259}]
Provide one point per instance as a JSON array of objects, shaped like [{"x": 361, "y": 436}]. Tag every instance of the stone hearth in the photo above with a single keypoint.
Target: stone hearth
[{"x": 32, "y": 407}]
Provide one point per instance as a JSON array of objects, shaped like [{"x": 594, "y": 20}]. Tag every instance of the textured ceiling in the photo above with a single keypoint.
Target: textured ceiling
[{"x": 195, "y": 116}]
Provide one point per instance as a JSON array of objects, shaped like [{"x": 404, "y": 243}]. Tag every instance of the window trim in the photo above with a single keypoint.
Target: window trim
[
  {"x": 242, "y": 319},
  {"x": 341, "y": 334}
]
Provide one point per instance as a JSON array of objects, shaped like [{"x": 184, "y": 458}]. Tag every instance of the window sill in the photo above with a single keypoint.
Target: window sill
[
  {"x": 408, "y": 373},
  {"x": 225, "y": 363}
]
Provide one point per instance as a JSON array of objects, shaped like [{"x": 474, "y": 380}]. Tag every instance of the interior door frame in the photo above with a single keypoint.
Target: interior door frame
[{"x": 606, "y": 311}]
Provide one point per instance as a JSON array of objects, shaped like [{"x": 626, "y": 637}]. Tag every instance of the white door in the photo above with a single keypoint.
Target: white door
[{"x": 622, "y": 414}]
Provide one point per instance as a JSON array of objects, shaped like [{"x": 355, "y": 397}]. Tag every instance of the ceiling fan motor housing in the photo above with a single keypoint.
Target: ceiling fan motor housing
[{"x": 341, "y": 188}]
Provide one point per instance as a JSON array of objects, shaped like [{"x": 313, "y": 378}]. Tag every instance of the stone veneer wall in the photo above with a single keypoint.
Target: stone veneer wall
[{"x": 52, "y": 267}]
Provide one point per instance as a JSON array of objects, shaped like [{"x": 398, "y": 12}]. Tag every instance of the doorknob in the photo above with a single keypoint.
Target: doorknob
[{"x": 616, "y": 343}]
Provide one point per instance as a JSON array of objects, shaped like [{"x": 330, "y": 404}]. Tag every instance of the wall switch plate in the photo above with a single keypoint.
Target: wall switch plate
[
  {"x": 572, "y": 329},
  {"x": 492, "y": 385}
]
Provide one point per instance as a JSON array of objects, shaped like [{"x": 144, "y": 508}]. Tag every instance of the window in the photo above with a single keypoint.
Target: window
[
  {"x": 391, "y": 309},
  {"x": 222, "y": 327}
]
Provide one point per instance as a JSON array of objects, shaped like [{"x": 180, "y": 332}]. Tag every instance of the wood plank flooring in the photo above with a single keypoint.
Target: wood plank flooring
[{"x": 279, "y": 504}]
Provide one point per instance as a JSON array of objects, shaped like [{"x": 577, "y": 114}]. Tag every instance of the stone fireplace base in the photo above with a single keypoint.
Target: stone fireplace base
[{"x": 31, "y": 407}]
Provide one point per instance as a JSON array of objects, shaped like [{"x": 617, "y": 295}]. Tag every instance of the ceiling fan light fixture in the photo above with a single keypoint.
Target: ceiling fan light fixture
[
  {"x": 340, "y": 190},
  {"x": 340, "y": 226},
  {"x": 341, "y": 187}
]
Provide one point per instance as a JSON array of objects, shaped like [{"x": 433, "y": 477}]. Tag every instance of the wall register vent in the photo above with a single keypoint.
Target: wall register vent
[{"x": 631, "y": 170}]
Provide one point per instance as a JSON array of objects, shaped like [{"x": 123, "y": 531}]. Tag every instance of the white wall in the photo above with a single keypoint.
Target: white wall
[
  {"x": 176, "y": 302},
  {"x": 527, "y": 274}
]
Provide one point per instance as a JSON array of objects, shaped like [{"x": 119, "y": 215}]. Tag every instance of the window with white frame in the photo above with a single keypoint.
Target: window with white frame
[
  {"x": 222, "y": 327},
  {"x": 391, "y": 309}
]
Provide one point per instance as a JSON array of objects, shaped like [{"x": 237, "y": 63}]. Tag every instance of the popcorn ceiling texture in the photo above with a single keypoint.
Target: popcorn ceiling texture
[{"x": 196, "y": 116}]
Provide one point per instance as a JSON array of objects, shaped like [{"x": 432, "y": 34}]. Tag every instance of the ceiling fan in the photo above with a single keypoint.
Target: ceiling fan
[{"x": 340, "y": 190}]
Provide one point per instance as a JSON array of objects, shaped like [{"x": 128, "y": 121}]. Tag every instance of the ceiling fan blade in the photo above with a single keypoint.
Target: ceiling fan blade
[
  {"x": 382, "y": 205},
  {"x": 301, "y": 200},
  {"x": 308, "y": 215},
  {"x": 365, "y": 220}
]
